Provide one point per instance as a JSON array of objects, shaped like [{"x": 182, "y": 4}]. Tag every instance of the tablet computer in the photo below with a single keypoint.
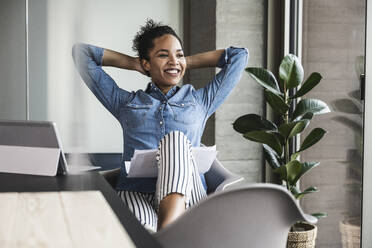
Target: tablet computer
[{"x": 31, "y": 147}]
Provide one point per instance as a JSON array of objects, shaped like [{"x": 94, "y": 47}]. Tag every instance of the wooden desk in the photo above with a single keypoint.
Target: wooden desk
[{"x": 84, "y": 182}]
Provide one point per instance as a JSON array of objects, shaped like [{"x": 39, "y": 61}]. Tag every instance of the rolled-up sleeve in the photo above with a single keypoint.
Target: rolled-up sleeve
[
  {"x": 88, "y": 61},
  {"x": 232, "y": 63}
]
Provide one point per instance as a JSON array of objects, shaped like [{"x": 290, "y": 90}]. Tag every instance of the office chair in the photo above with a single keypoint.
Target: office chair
[{"x": 257, "y": 216}]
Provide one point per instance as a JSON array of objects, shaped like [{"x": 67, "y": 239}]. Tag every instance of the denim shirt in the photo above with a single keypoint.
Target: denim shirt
[{"x": 146, "y": 116}]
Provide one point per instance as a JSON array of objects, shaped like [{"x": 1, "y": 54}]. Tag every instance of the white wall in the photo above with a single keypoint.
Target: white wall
[
  {"x": 13, "y": 62},
  {"x": 57, "y": 92}
]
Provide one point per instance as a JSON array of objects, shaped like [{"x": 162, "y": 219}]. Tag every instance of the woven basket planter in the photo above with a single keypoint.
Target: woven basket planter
[
  {"x": 303, "y": 236},
  {"x": 350, "y": 233}
]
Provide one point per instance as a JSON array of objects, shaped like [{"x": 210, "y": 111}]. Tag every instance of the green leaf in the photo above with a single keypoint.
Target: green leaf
[
  {"x": 295, "y": 155},
  {"x": 282, "y": 171},
  {"x": 314, "y": 136},
  {"x": 288, "y": 130},
  {"x": 307, "y": 116},
  {"x": 265, "y": 138},
  {"x": 295, "y": 191},
  {"x": 310, "y": 83},
  {"x": 305, "y": 167},
  {"x": 294, "y": 168},
  {"x": 252, "y": 122},
  {"x": 319, "y": 215},
  {"x": 291, "y": 71},
  {"x": 265, "y": 78},
  {"x": 271, "y": 157},
  {"x": 305, "y": 192},
  {"x": 280, "y": 137},
  {"x": 276, "y": 102},
  {"x": 313, "y": 106}
]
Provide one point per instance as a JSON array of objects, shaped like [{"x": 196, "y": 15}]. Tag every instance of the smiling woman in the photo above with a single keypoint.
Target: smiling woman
[{"x": 164, "y": 116}]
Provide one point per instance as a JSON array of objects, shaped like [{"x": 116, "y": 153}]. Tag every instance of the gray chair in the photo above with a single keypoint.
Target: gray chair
[
  {"x": 257, "y": 216},
  {"x": 217, "y": 178}
]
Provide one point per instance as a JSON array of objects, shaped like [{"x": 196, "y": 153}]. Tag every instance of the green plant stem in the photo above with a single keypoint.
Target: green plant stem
[{"x": 286, "y": 120}]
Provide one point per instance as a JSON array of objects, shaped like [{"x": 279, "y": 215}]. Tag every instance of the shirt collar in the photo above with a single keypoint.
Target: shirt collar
[{"x": 153, "y": 90}]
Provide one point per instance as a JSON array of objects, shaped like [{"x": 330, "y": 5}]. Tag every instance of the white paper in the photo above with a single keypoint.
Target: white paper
[{"x": 144, "y": 163}]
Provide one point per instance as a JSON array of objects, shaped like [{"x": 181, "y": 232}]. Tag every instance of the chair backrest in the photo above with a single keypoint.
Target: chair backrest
[
  {"x": 218, "y": 177},
  {"x": 256, "y": 216}
]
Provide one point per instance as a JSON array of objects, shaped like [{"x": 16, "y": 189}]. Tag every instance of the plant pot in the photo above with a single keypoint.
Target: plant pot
[
  {"x": 350, "y": 233},
  {"x": 302, "y": 235}
]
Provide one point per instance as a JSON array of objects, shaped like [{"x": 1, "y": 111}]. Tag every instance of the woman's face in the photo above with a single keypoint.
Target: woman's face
[{"x": 167, "y": 63}]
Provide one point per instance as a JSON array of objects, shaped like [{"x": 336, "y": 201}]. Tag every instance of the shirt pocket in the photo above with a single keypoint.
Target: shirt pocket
[
  {"x": 135, "y": 114},
  {"x": 184, "y": 112}
]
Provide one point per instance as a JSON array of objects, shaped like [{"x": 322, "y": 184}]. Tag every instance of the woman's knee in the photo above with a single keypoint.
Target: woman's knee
[
  {"x": 174, "y": 136},
  {"x": 177, "y": 146}
]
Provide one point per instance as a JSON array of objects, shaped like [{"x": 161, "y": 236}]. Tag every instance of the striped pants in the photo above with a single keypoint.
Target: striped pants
[{"x": 177, "y": 173}]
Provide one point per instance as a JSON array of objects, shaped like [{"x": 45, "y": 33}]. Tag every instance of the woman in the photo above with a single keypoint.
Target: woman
[{"x": 164, "y": 116}]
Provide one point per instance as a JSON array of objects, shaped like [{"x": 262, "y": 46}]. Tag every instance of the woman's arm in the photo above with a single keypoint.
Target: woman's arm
[
  {"x": 232, "y": 63},
  {"x": 120, "y": 60},
  {"x": 88, "y": 61},
  {"x": 206, "y": 59}
]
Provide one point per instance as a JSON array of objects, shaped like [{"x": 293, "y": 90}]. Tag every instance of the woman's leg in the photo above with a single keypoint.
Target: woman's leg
[
  {"x": 141, "y": 205},
  {"x": 178, "y": 185}
]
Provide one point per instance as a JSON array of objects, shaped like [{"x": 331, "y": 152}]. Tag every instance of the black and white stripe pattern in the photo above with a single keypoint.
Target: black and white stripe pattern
[
  {"x": 177, "y": 173},
  {"x": 141, "y": 205}
]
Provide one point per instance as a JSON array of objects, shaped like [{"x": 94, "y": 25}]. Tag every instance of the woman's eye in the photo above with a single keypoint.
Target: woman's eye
[
  {"x": 180, "y": 55},
  {"x": 163, "y": 55}
]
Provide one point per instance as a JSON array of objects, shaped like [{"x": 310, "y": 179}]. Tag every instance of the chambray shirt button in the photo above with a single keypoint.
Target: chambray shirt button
[
  {"x": 164, "y": 101},
  {"x": 161, "y": 123},
  {"x": 182, "y": 104},
  {"x": 160, "y": 108}
]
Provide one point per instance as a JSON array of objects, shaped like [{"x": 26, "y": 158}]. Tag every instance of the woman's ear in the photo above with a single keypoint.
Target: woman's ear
[{"x": 145, "y": 65}]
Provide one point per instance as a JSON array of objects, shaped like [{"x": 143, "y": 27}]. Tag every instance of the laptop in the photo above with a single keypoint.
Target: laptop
[{"x": 31, "y": 147}]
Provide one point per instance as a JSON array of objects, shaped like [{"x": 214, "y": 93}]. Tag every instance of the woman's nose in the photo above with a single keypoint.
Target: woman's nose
[{"x": 173, "y": 59}]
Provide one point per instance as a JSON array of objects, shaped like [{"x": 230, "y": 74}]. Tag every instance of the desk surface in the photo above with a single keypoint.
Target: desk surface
[{"x": 87, "y": 181}]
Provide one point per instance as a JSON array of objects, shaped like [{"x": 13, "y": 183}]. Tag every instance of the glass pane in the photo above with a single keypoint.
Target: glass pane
[
  {"x": 333, "y": 44},
  {"x": 57, "y": 92}
]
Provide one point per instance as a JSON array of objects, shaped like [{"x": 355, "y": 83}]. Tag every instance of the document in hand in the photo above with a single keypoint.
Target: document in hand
[{"x": 144, "y": 163}]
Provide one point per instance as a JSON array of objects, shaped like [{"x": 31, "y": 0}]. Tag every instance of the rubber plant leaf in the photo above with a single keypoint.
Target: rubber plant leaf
[
  {"x": 271, "y": 157},
  {"x": 305, "y": 192},
  {"x": 313, "y": 106},
  {"x": 312, "y": 81},
  {"x": 276, "y": 102},
  {"x": 252, "y": 122},
  {"x": 282, "y": 172},
  {"x": 319, "y": 215},
  {"x": 265, "y": 138},
  {"x": 290, "y": 129},
  {"x": 291, "y": 71},
  {"x": 265, "y": 78},
  {"x": 294, "y": 168},
  {"x": 312, "y": 138},
  {"x": 305, "y": 167},
  {"x": 307, "y": 116}
]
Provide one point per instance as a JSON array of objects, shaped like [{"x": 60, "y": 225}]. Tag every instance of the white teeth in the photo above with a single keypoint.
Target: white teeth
[{"x": 173, "y": 71}]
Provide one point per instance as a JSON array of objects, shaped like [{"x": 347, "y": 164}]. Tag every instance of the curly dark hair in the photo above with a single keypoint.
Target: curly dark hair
[{"x": 143, "y": 41}]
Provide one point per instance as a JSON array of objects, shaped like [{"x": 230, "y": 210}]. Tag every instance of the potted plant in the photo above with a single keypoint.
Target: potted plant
[{"x": 277, "y": 136}]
